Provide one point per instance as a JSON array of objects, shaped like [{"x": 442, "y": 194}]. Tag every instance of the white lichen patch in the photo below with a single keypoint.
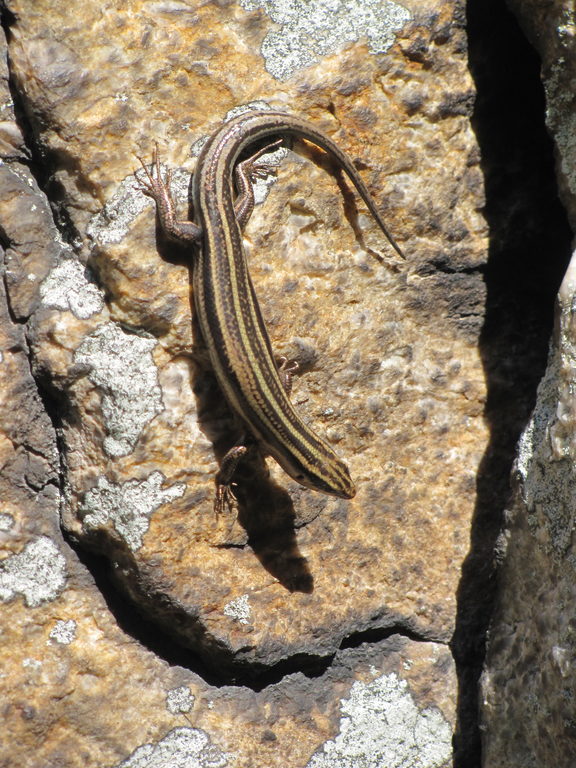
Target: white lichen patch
[
  {"x": 6, "y": 522},
  {"x": 239, "y": 609},
  {"x": 68, "y": 287},
  {"x": 250, "y": 106},
  {"x": 382, "y": 726},
  {"x": 34, "y": 664},
  {"x": 121, "y": 365},
  {"x": 179, "y": 700},
  {"x": 536, "y": 435},
  {"x": 63, "y": 632},
  {"x": 309, "y": 30},
  {"x": 180, "y": 748},
  {"x": 128, "y": 506},
  {"x": 38, "y": 573},
  {"x": 240, "y": 109}
]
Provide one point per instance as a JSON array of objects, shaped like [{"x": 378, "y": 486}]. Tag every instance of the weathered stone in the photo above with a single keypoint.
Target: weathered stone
[
  {"x": 528, "y": 681},
  {"x": 390, "y": 374},
  {"x": 550, "y": 26},
  {"x": 79, "y": 692},
  {"x": 141, "y": 416}
]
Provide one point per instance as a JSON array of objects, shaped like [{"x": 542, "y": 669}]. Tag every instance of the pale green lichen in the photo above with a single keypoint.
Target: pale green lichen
[
  {"x": 381, "y": 725},
  {"x": 69, "y": 287},
  {"x": 180, "y": 748},
  {"x": 309, "y": 30},
  {"x": 128, "y": 505},
  {"x": 38, "y": 573},
  {"x": 120, "y": 364}
]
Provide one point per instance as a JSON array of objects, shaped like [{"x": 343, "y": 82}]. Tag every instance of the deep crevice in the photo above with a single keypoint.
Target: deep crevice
[
  {"x": 53, "y": 406},
  {"x": 528, "y": 252},
  {"x": 436, "y": 266},
  {"x": 42, "y": 164},
  {"x": 163, "y": 645},
  {"x": 36, "y": 159}
]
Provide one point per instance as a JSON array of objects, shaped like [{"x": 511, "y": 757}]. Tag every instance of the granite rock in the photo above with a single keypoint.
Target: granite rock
[
  {"x": 528, "y": 679},
  {"x": 527, "y": 708},
  {"x": 389, "y": 373},
  {"x": 550, "y": 27}
]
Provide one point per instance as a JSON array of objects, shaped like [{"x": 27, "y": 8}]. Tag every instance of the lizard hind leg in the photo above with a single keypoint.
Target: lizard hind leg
[
  {"x": 287, "y": 369},
  {"x": 225, "y": 498},
  {"x": 246, "y": 172}
]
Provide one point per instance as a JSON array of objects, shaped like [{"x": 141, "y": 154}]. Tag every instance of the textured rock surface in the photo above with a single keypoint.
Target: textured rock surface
[
  {"x": 390, "y": 374},
  {"x": 551, "y": 27},
  {"x": 529, "y": 680},
  {"x": 83, "y": 693},
  {"x": 139, "y": 416}
]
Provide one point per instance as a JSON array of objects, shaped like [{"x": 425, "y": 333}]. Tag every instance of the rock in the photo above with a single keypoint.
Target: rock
[
  {"x": 389, "y": 373},
  {"x": 550, "y": 29},
  {"x": 528, "y": 680},
  {"x": 528, "y": 677}
]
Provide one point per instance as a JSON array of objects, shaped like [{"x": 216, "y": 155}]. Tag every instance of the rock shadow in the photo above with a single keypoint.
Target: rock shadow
[{"x": 529, "y": 249}]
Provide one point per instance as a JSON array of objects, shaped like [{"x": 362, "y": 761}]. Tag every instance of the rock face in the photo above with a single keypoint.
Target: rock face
[
  {"x": 360, "y": 594},
  {"x": 529, "y": 678}
]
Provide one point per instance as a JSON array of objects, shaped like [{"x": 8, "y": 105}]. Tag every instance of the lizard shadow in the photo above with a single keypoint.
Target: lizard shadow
[
  {"x": 349, "y": 197},
  {"x": 263, "y": 509}
]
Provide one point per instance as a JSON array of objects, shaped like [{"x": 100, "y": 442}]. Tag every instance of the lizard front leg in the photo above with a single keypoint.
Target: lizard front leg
[{"x": 155, "y": 187}]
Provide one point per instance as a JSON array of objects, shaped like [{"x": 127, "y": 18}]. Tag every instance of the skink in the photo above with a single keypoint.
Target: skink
[{"x": 226, "y": 305}]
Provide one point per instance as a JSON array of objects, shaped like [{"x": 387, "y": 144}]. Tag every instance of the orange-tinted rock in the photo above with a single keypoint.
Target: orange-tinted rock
[{"x": 389, "y": 373}]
